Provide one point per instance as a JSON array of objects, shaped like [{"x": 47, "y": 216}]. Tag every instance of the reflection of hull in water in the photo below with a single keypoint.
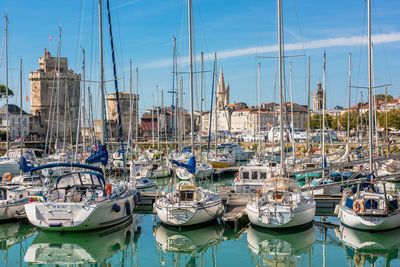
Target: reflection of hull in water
[
  {"x": 363, "y": 245},
  {"x": 280, "y": 248},
  {"x": 187, "y": 241},
  {"x": 80, "y": 248},
  {"x": 13, "y": 233}
]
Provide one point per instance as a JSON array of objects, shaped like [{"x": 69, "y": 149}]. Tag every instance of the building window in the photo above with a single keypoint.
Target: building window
[{"x": 1, "y": 121}]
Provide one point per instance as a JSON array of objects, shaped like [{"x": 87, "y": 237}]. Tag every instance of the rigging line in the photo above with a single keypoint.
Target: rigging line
[
  {"x": 120, "y": 55},
  {"x": 2, "y": 48}
]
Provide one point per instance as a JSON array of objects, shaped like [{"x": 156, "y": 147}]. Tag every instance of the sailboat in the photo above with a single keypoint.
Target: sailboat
[
  {"x": 81, "y": 199},
  {"x": 364, "y": 206},
  {"x": 280, "y": 203},
  {"x": 188, "y": 204}
]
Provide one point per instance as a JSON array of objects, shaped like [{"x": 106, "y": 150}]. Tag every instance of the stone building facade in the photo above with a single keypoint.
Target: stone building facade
[
  {"x": 44, "y": 95},
  {"x": 222, "y": 92}
]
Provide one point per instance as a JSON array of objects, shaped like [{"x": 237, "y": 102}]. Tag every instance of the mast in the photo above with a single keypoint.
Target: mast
[
  {"x": 7, "y": 122},
  {"x": 20, "y": 108},
  {"x": 259, "y": 112},
  {"x": 152, "y": 120},
  {"x": 130, "y": 105},
  {"x": 370, "y": 99},
  {"x": 282, "y": 156},
  {"x": 158, "y": 122},
  {"x": 103, "y": 123},
  {"x": 58, "y": 86},
  {"x": 216, "y": 106},
  {"x": 308, "y": 107},
  {"x": 386, "y": 123},
  {"x": 84, "y": 101},
  {"x": 348, "y": 114},
  {"x": 191, "y": 75},
  {"x": 137, "y": 107},
  {"x": 323, "y": 115},
  {"x": 176, "y": 97},
  {"x": 201, "y": 102},
  {"x": 291, "y": 110}
]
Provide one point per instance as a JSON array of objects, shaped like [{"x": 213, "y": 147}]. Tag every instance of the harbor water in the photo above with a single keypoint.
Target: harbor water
[{"x": 144, "y": 241}]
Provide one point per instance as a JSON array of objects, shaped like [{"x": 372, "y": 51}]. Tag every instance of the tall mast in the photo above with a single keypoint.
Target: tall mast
[
  {"x": 7, "y": 122},
  {"x": 20, "y": 108},
  {"x": 283, "y": 168},
  {"x": 323, "y": 115},
  {"x": 191, "y": 75},
  {"x": 158, "y": 122},
  {"x": 84, "y": 100},
  {"x": 58, "y": 85},
  {"x": 308, "y": 107},
  {"x": 152, "y": 120},
  {"x": 176, "y": 97},
  {"x": 291, "y": 111},
  {"x": 103, "y": 123},
  {"x": 201, "y": 101},
  {"x": 348, "y": 114},
  {"x": 130, "y": 105},
  {"x": 216, "y": 106},
  {"x": 259, "y": 112},
  {"x": 137, "y": 107},
  {"x": 370, "y": 98}
]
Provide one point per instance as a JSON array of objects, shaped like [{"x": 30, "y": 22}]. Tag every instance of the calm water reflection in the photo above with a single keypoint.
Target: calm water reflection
[{"x": 144, "y": 242}]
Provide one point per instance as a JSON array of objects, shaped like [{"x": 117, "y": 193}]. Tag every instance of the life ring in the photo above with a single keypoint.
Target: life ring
[
  {"x": 7, "y": 176},
  {"x": 108, "y": 189},
  {"x": 358, "y": 206},
  {"x": 237, "y": 177}
]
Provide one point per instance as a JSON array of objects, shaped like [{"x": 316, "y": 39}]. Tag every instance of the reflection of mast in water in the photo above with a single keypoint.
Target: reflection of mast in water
[
  {"x": 178, "y": 244},
  {"x": 273, "y": 248},
  {"x": 363, "y": 246},
  {"x": 12, "y": 234}
]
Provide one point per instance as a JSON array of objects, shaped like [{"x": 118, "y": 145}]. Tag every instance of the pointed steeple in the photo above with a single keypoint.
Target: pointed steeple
[{"x": 221, "y": 82}]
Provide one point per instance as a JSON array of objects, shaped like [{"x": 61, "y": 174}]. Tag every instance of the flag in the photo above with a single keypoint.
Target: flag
[
  {"x": 27, "y": 98},
  {"x": 51, "y": 37}
]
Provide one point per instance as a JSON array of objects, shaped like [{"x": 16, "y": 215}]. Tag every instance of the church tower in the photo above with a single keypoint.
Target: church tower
[
  {"x": 222, "y": 92},
  {"x": 318, "y": 98}
]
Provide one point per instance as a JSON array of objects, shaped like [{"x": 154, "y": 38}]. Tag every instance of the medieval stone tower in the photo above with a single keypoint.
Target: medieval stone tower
[
  {"x": 222, "y": 92},
  {"x": 44, "y": 94}
]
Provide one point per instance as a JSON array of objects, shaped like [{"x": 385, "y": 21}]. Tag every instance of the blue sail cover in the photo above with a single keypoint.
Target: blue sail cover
[
  {"x": 23, "y": 165},
  {"x": 190, "y": 166},
  {"x": 100, "y": 156}
]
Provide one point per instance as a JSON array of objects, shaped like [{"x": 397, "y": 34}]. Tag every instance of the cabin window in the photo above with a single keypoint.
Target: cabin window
[
  {"x": 263, "y": 175},
  {"x": 371, "y": 204},
  {"x": 245, "y": 175},
  {"x": 3, "y": 194},
  {"x": 21, "y": 196},
  {"x": 254, "y": 175},
  {"x": 186, "y": 195}
]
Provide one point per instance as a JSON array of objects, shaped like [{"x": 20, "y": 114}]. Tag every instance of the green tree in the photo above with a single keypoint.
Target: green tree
[
  {"x": 3, "y": 90},
  {"x": 316, "y": 121},
  {"x": 393, "y": 118},
  {"x": 381, "y": 97}
]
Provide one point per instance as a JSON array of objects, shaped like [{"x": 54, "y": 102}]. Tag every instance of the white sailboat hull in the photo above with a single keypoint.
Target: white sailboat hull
[
  {"x": 60, "y": 216},
  {"x": 282, "y": 217},
  {"x": 368, "y": 222},
  {"x": 191, "y": 214}
]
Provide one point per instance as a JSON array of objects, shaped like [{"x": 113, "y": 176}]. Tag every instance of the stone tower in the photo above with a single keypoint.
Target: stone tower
[
  {"x": 44, "y": 85},
  {"x": 318, "y": 98},
  {"x": 222, "y": 92},
  {"x": 124, "y": 104}
]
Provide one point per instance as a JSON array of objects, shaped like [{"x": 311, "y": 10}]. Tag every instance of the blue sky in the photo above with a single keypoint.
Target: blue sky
[{"x": 237, "y": 31}]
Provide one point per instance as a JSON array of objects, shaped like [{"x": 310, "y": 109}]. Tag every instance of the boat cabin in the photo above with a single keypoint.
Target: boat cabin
[{"x": 12, "y": 194}]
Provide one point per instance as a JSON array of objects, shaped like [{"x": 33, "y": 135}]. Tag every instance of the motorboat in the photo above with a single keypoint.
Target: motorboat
[
  {"x": 13, "y": 197},
  {"x": 235, "y": 150},
  {"x": 281, "y": 204},
  {"x": 251, "y": 178},
  {"x": 142, "y": 182},
  {"x": 81, "y": 200},
  {"x": 364, "y": 207}
]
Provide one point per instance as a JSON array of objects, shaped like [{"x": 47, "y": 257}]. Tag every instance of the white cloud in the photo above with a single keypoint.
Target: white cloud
[{"x": 323, "y": 43}]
